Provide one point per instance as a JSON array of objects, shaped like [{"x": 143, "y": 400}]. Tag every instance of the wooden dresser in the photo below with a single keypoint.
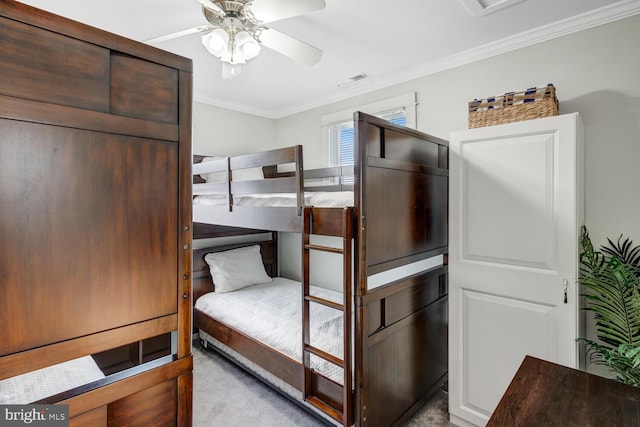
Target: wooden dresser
[
  {"x": 95, "y": 216},
  {"x": 546, "y": 394}
]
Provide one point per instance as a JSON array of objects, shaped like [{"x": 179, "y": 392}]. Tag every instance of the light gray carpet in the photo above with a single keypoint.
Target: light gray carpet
[{"x": 227, "y": 396}]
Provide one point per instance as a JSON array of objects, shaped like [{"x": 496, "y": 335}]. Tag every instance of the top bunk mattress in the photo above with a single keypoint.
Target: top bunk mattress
[
  {"x": 272, "y": 314},
  {"x": 320, "y": 199}
]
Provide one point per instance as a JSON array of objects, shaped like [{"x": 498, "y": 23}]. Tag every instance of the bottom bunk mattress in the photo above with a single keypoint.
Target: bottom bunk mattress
[
  {"x": 272, "y": 314},
  {"x": 49, "y": 381}
]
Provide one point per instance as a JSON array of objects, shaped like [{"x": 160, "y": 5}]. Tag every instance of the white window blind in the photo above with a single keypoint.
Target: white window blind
[{"x": 341, "y": 138}]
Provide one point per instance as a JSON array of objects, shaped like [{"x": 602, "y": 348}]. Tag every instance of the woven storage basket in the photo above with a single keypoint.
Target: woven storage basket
[{"x": 513, "y": 107}]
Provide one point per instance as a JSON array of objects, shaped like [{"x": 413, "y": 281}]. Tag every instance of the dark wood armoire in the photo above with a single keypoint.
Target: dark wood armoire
[{"x": 95, "y": 216}]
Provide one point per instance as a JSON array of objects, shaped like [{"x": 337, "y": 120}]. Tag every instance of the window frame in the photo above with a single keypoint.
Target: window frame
[
  {"x": 336, "y": 137},
  {"x": 334, "y": 123}
]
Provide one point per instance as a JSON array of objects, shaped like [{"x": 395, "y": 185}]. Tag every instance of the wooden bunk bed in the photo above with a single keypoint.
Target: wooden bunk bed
[
  {"x": 394, "y": 251},
  {"x": 95, "y": 223}
]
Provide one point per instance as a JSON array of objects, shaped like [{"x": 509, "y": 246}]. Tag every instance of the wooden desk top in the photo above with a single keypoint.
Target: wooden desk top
[{"x": 546, "y": 394}]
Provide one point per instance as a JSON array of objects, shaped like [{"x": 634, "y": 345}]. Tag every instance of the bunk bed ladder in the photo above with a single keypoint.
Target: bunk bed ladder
[{"x": 344, "y": 412}]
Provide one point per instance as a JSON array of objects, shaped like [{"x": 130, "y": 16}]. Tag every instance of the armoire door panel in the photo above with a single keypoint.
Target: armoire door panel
[
  {"x": 41, "y": 67},
  {"x": 136, "y": 83},
  {"x": 508, "y": 201},
  {"x": 84, "y": 207},
  {"x": 528, "y": 331}
]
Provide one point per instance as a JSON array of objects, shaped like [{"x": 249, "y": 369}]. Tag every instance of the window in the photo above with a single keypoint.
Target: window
[
  {"x": 341, "y": 138},
  {"x": 338, "y": 132}
]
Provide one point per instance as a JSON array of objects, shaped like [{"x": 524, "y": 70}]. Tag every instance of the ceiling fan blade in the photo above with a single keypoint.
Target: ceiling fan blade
[
  {"x": 274, "y": 10},
  {"x": 212, "y": 6},
  {"x": 291, "y": 47},
  {"x": 200, "y": 29}
]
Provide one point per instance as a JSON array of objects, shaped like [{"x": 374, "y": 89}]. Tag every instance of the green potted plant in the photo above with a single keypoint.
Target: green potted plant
[{"x": 610, "y": 280}]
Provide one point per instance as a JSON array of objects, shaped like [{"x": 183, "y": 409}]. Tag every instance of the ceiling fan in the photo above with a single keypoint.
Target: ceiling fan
[{"x": 237, "y": 31}]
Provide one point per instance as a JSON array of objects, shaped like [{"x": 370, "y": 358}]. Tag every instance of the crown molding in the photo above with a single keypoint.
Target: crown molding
[
  {"x": 551, "y": 31},
  {"x": 242, "y": 108},
  {"x": 601, "y": 16}
]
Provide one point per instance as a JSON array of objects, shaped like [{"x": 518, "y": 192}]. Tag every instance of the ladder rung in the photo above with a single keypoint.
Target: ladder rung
[
  {"x": 327, "y": 409},
  {"x": 324, "y": 248},
  {"x": 326, "y": 302},
  {"x": 326, "y": 356}
]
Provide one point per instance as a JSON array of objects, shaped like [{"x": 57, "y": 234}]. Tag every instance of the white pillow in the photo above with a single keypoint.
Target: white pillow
[
  {"x": 248, "y": 174},
  {"x": 237, "y": 268}
]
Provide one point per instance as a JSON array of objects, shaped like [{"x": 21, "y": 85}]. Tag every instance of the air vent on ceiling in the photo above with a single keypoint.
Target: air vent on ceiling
[
  {"x": 358, "y": 80},
  {"x": 485, "y": 7}
]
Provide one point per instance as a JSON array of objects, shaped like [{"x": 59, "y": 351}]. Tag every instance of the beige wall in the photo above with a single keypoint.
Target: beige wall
[
  {"x": 221, "y": 132},
  {"x": 596, "y": 73}
]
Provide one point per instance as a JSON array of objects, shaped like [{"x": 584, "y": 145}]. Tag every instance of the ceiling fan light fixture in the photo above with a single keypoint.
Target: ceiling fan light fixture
[
  {"x": 216, "y": 42},
  {"x": 247, "y": 46},
  {"x": 236, "y": 35}
]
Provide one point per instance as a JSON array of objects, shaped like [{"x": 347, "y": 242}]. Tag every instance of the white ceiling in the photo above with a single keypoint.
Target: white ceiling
[{"x": 389, "y": 41}]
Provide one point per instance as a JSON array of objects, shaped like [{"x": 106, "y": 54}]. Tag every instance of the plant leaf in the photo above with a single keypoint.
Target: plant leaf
[{"x": 610, "y": 282}]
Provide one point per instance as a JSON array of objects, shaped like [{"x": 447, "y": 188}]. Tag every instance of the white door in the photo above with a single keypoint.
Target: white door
[{"x": 516, "y": 206}]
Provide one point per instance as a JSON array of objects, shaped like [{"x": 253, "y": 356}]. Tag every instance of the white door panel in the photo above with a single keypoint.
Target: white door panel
[
  {"x": 515, "y": 211},
  {"x": 495, "y": 173},
  {"x": 529, "y": 330}
]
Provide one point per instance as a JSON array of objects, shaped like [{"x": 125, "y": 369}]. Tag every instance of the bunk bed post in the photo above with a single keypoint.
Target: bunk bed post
[
  {"x": 359, "y": 199},
  {"x": 299, "y": 178},
  {"x": 306, "y": 338},
  {"x": 229, "y": 178},
  {"x": 360, "y": 272},
  {"x": 347, "y": 384}
]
